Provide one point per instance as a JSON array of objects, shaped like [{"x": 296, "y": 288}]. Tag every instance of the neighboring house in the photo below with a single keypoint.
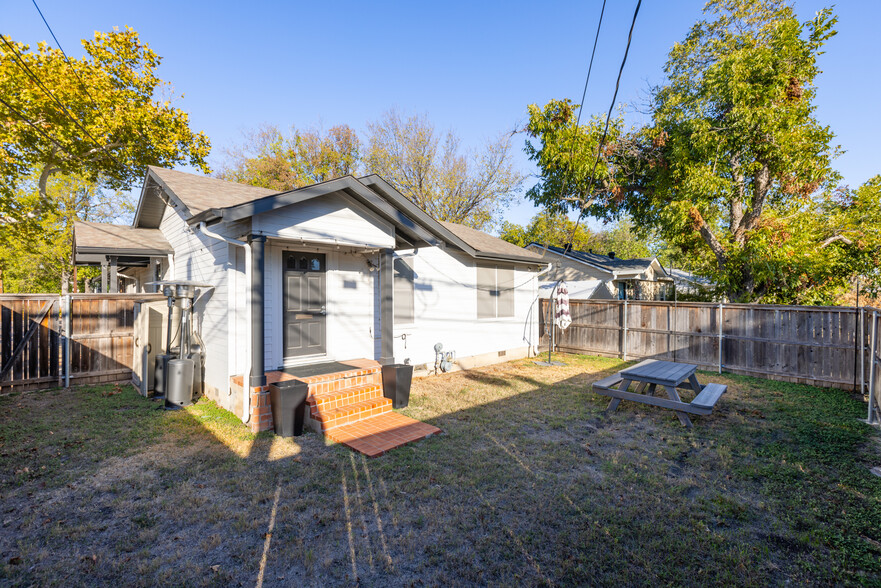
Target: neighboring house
[
  {"x": 579, "y": 290},
  {"x": 635, "y": 279},
  {"x": 691, "y": 284},
  {"x": 340, "y": 270}
]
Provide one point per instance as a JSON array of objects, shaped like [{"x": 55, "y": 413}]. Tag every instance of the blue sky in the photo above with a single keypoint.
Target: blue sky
[{"x": 472, "y": 66}]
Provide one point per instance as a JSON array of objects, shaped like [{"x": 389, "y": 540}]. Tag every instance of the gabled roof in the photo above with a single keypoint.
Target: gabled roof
[
  {"x": 614, "y": 265},
  {"x": 211, "y": 200},
  {"x": 197, "y": 193},
  {"x": 105, "y": 238}
]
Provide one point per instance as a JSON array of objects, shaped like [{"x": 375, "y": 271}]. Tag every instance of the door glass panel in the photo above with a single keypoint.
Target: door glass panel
[{"x": 315, "y": 264}]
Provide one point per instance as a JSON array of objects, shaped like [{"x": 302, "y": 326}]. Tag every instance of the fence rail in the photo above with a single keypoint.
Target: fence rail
[
  {"x": 823, "y": 346},
  {"x": 49, "y": 340}
]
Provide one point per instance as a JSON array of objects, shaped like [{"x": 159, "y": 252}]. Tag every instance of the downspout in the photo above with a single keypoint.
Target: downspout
[{"x": 246, "y": 384}]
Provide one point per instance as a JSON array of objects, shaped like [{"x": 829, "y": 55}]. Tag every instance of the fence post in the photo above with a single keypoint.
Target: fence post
[
  {"x": 65, "y": 340},
  {"x": 721, "y": 309},
  {"x": 862, "y": 336},
  {"x": 872, "y": 367},
  {"x": 625, "y": 328}
]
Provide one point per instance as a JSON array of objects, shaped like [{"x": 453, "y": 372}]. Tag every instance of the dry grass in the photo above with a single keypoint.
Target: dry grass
[{"x": 529, "y": 484}]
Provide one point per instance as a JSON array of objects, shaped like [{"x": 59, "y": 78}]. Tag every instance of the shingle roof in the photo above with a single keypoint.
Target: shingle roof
[
  {"x": 200, "y": 193},
  {"x": 119, "y": 238},
  {"x": 484, "y": 243},
  {"x": 612, "y": 264}
]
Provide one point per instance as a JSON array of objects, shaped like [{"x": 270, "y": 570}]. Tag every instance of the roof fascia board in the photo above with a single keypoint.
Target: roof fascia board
[
  {"x": 169, "y": 192},
  {"x": 392, "y": 212},
  {"x": 123, "y": 251},
  {"x": 274, "y": 201},
  {"x": 387, "y": 191},
  {"x": 143, "y": 195}
]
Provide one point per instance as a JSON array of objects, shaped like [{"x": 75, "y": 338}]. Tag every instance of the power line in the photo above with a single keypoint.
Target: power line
[
  {"x": 608, "y": 118},
  {"x": 72, "y": 68},
  {"x": 581, "y": 104},
  {"x": 24, "y": 67},
  {"x": 33, "y": 124},
  {"x": 590, "y": 65}
]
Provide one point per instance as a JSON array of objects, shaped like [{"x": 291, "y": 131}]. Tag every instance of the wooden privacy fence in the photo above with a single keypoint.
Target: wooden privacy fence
[
  {"x": 872, "y": 361},
  {"x": 49, "y": 340},
  {"x": 822, "y": 346}
]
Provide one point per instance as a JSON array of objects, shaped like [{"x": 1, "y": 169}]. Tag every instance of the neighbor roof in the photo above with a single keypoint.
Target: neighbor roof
[
  {"x": 610, "y": 264},
  {"x": 119, "y": 239}
]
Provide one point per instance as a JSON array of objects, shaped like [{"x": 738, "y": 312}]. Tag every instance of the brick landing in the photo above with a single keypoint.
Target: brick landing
[
  {"x": 376, "y": 435},
  {"x": 349, "y": 407}
]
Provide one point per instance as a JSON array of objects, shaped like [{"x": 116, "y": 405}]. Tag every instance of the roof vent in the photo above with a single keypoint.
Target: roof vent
[
  {"x": 590, "y": 250},
  {"x": 612, "y": 254}
]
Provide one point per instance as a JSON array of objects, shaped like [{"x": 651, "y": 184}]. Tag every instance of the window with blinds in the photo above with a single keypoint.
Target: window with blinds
[{"x": 495, "y": 291}]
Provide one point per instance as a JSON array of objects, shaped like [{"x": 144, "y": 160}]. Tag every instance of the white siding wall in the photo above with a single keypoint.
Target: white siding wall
[
  {"x": 350, "y": 304},
  {"x": 206, "y": 260},
  {"x": 446, "y": 311},
  {"x": 329, "y": 219}
]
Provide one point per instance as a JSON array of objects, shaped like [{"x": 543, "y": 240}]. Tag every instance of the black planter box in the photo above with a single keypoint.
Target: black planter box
[
  {"x": 288, "y": 401},
  {"x": 396, "y": 379}
]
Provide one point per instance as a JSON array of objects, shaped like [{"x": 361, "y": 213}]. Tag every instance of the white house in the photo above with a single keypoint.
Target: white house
[
  {"x": 340, "y": 270},
  {"x": 603, "y": 277}
]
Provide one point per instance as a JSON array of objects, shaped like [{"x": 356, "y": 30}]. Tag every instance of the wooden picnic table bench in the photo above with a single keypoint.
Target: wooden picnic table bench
[{"x": 652, "y": 373}]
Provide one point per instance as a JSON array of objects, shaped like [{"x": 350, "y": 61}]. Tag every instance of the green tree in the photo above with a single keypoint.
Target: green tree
[
  {"x": 36, "y": 252},
  {"x": 270, "y": 159},
  {"x": 95, "y": 122},
  {"x": 432, "y": 171},
  {"x": 851, "y": 227},
  {"x": 125, "y": 119},
  {"x": 557, "y": 229},
  {"x": 732, "y": 168}
]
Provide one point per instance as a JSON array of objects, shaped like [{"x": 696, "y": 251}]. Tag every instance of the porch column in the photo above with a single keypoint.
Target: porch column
[
  {"x": 114, "y": 279},
  {"x": 104, "y": 276},
  {"x": 258, "y": 268},
  {"x": 386, "y": 306}
]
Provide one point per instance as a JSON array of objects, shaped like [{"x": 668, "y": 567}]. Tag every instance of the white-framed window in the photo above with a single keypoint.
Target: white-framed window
[
  {"x": 495, "y": 291},
  {"x": 404, "y": 291}
]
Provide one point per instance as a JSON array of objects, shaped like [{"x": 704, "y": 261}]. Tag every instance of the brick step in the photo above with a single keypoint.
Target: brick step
[
  {"x": 331, "y": 400},
  {"x": 320, "y": 385},
  {"x": 351, "y": 413}
]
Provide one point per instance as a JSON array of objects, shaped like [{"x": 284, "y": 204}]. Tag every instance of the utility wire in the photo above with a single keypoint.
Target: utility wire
[
  {"x": 583, "y": 97},
  {"x": 602, "y": 142},
  {"x": 24, "y": 67},
  {"x": 33, "y": 124},
  {"x": 72, "y": 68}
]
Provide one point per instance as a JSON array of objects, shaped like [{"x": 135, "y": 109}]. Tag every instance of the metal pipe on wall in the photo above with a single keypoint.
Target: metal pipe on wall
[{"x": 246, "y": 378}]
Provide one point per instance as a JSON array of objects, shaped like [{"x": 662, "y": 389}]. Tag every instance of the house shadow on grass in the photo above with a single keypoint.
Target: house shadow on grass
[{"x": 529, "y": 484}]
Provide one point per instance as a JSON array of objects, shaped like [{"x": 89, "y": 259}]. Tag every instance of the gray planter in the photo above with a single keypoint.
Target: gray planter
[{"x": 396, "y": 380}]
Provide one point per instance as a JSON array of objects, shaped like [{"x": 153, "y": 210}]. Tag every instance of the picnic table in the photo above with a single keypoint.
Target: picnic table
[{"x": 671, "y": 376}]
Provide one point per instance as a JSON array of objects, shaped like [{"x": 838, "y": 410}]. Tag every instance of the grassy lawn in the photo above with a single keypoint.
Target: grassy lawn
[{"x": 530, "y": 484}]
